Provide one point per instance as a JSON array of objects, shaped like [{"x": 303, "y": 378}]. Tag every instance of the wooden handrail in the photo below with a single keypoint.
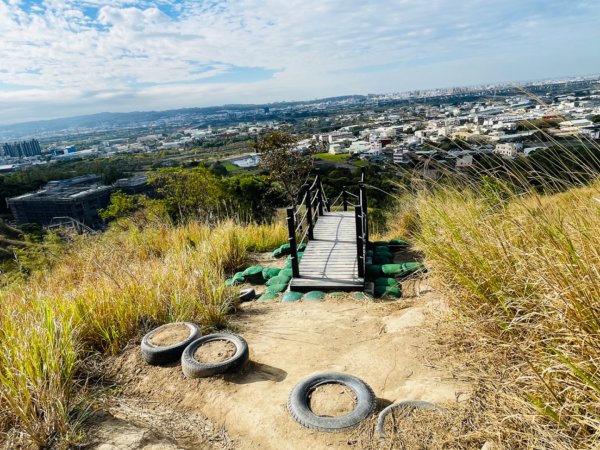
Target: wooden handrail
[{"x": 316, "y": 204}]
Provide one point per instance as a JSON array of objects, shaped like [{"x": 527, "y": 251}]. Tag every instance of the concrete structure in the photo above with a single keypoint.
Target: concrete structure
[
  {"x": 577, "y": 123},
  {"x": 336, "y": 149},
  {"x": 508, "y": 149},
  {"x": 464, "y": 162},
  {"x": 359, "y": 147},
  {"x": 22, "y": 149},
  {"x": 79, "y": 198}
]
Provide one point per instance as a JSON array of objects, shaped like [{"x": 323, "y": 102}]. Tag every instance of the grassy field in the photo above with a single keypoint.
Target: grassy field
[
  {"x": 525, "y": 271},
  {"x": 102, "y": 292},
  {"x": 231, "y": 168},
  {"x": 332, "y": 158}
]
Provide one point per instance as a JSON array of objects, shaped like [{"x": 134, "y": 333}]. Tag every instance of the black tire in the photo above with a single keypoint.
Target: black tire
[
  {"x": 299, "y": 409},
  {"x": 158, "y": 355},
  {"x": 195, "y": 369},
  {"x": 413, "y": 404},
  {"x": 247, "y": 295}
]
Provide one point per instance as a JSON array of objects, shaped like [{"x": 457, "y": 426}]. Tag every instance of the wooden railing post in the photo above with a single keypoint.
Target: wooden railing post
[
  {"x": 320, "y": 196},
  {"x": 364, "y": 205},
  {"x": 291, "y": 222},
  {"x": 309, "y": 215},
  {"x": 344, "y": 199},
  {"x": 360, "y": 255}
]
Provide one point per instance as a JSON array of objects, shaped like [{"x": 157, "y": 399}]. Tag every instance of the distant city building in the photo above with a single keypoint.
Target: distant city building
[
  {"x": 22, "y": 149},
  {"x": 464, "y": 161},
  {"x": 508, "y": 149},
  {"x": 79, "y": 198},
  {"x": 578, "y": 123}
]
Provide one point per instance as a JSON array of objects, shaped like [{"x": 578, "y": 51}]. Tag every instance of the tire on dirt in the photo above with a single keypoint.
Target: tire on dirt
[
  {"x": 247, "y": 295},
  {"x": 195, "y": 369},
  {"x": 158, "y": 354},
  {"x": 413, "y": 404},
  {"x": 299, "y": 409}
]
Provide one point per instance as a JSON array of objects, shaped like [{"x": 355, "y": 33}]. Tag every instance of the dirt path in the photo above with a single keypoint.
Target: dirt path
[{"x": 385, "y": 344}]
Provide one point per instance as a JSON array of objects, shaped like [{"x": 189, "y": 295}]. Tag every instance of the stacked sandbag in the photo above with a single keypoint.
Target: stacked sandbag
[
  {"x": 285, "y": 250},
  {"x": 236, "y": 280},
  {"x": 402, "y": 270},
  {"x": 254, "y": 275},
  {"x": 387, "y": 287}
]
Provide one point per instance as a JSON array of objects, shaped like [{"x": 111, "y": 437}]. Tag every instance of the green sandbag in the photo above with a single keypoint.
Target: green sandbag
[
  {"x": 398, "y": 242},
  {"x": 269, "y": 273},
  {"x": 384, "y": 253},
  {"x": 280, "y": 279},
  {"x": 369, "y": 252},
  {"x": 402, "y": 270},
  {"x": 388, "y": 291},
  {"x": 379, "y": 243},
  {"x": 380, "y": 260},
  {"x": 287, "y": 273},
  {"x": 392, "y": 269},
  {"x": 291, "y": 296},
  {"x": 301, "y": 247},
  {"x": 386, "y": 282},
  {"x": 413, "y": 266},
  {"x": 268, "y": 296},
  {"x": 373, "y": 270},
  {"x": 239, "y": 276},
  {"x": 313, "y": 296},
  {"x": 253, "y": 274},
  {"x": 281, "y": 251},
  {"x": 276, "y": 288},
  {"x": 236, "y": 280}
]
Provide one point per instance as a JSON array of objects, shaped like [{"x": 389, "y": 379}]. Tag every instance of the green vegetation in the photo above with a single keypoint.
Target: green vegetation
[
  {"x": 93, "y": 302},
  {"x": 285, "y": 165},
  {"x": 522, "y": 263},
  {"x": 333, "y": 158}
]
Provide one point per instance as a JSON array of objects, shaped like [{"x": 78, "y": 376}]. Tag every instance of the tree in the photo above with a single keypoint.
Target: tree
[
  {"x": 190, "y": 193},
  {"x": 284, "y": 163}
]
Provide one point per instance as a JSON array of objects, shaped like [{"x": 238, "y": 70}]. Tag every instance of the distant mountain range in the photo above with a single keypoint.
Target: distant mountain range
[{"x": 108, "y": 120}]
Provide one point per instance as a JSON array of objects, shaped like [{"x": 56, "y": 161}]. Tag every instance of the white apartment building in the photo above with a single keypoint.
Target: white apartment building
[
  {"x": 509, "y": 149},
  {"x": 464, "y": 161},
  {"x": 336, "y": 149},
  {"x": 359, "y": 147}
]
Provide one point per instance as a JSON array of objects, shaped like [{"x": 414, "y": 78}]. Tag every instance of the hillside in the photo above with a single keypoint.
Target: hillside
[{"x": 515, "y": 304}]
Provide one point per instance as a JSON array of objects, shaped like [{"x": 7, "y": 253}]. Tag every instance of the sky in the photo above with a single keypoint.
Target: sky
[{"x": 72, "y": 57}]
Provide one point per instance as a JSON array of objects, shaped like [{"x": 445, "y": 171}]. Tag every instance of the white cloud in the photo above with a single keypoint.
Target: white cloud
[{"x": 72, "y": 56}]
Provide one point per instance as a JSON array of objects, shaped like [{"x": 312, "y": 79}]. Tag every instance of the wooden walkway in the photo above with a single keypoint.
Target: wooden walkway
[{"x": 330, "y": 259}]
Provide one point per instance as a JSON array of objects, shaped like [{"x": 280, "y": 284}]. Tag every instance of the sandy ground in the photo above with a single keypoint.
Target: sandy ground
[{"x": 387, "y": 344}]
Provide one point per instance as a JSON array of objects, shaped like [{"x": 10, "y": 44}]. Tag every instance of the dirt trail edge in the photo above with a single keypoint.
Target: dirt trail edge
[{"x": 382, "y": 343}]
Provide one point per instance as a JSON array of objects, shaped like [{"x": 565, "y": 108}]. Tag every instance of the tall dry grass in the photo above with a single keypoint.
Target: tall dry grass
[
  {"x": 101, "y": 293},
  {"x": 528, "y": 263}
]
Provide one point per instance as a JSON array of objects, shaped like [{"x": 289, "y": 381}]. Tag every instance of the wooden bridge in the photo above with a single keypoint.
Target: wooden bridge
[{"x": 336, "y": 239}]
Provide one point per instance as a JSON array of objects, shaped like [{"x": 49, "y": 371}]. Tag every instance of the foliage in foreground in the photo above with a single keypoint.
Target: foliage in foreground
[
  {"x": 101, "y": 293},
  {"x": 530, "y": 264}
]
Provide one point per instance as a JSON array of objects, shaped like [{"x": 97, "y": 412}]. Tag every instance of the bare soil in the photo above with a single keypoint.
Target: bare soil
[
  {"x": 170, "y": 335},
  {"x": 332, "y": 400},
  {"x": 386, "y": 344},
  {"x": 215, "y": 352}
]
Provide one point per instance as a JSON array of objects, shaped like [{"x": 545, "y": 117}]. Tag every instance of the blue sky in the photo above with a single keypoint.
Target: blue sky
[{"x": 68, "y": 57}]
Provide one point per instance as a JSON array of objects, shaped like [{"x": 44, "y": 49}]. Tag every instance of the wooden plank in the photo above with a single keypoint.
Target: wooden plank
[{"x": 330, "y": 261}]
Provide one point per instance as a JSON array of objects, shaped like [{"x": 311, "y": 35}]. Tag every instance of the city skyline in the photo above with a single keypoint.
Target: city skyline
[{"x": 66, "y": 58}]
